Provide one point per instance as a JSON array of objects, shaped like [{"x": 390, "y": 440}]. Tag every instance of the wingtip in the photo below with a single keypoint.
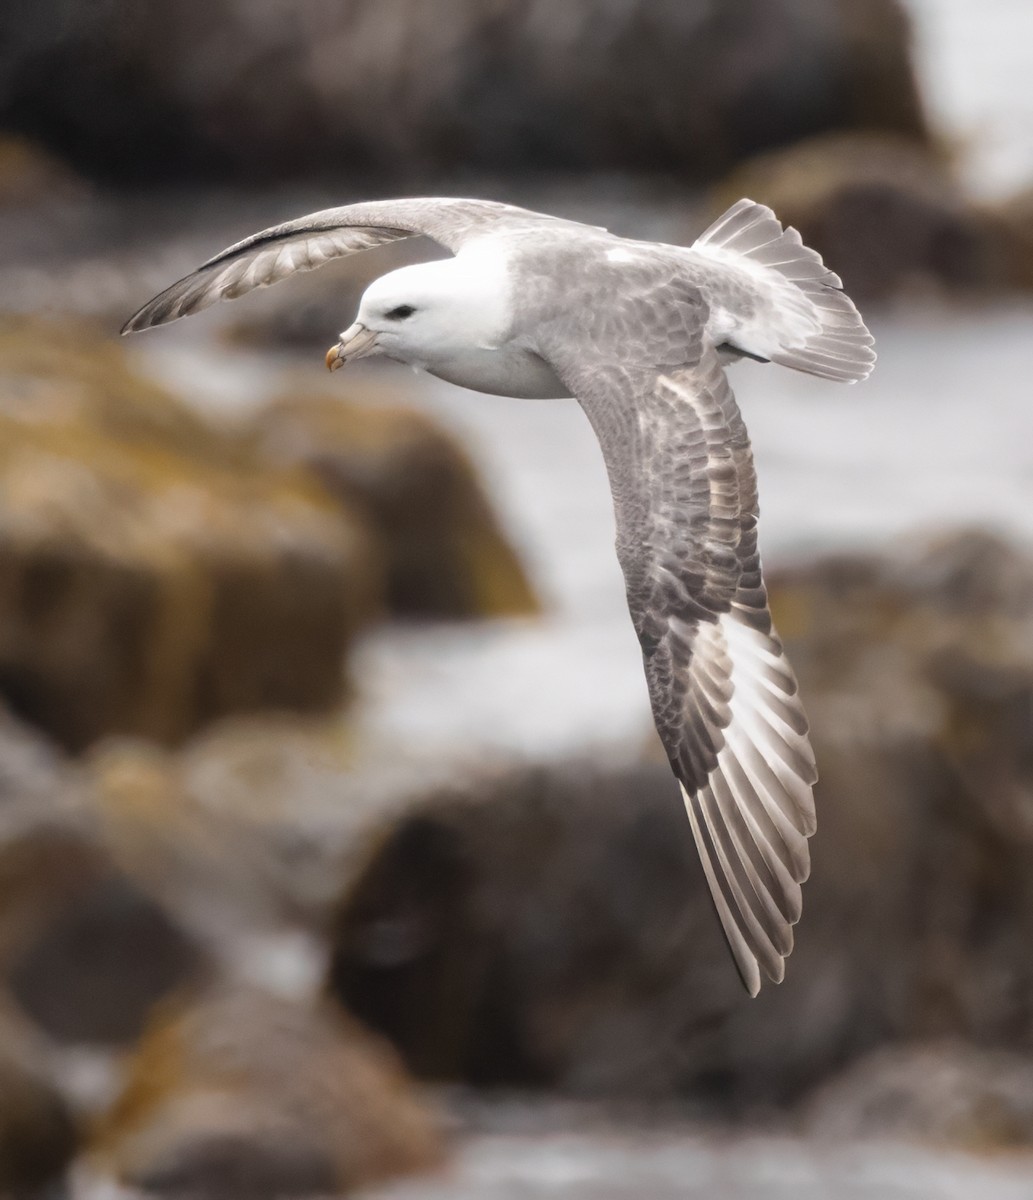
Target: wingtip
[
  {"x": 753, "y": 981},
  {"x": 136, "y": 322}
]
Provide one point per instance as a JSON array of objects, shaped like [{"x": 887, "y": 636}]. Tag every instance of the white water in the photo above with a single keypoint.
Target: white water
[{"x": 974, "y": 58}]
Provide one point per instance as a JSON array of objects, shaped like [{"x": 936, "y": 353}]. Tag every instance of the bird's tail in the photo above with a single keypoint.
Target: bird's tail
[{"x": 804, "y": 320}]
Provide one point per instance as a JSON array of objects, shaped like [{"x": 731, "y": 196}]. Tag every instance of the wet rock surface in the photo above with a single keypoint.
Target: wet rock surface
[
  {"x": 406, "y": 87},
  {"x": 240, "y": 1094}
]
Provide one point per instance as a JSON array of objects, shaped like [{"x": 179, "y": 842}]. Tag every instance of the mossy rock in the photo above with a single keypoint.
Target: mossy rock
[
  {"x": 446, "y": 554},
  {"x": 154, "y": 574},
  {"x": 238, "y": 1094}
]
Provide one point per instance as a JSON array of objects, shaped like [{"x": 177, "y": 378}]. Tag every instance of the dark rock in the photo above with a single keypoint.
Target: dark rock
[
  {"x": 446, "y": 556},
  {"x": 946, "y": 1092},
  {"x": 99, "y": 964},
  {"x": 31, "y": 176},
  {"x": 883, "y": 212},
  {"x": 210, "y": 87},
  {"x": 555, "y": 928},
  {"x": 243, "y": 1095},
  {"x": 154, "y": 575},
  {"x": 1013, "y": 222},
  {"x": 558, "y": 931},
  {"x": 37, "y": 1133},
  {"x": 32, "y": 771},
  {"x": 85, "y": 951}
]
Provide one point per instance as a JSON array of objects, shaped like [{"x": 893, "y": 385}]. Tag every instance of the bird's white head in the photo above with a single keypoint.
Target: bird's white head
[{"x": 428, "y": 314}]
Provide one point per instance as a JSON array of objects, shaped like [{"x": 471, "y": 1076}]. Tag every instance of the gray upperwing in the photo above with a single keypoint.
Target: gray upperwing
[
  {"x": 723, "y": 695},
  {"x": 308, "y": 242}
]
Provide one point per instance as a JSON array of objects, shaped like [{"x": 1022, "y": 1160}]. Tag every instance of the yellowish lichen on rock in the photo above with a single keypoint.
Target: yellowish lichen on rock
[
  {"x": 281, "y": 1098},
  {"x": 154, "y": 574},
  {"x": 447, "y": 556}
]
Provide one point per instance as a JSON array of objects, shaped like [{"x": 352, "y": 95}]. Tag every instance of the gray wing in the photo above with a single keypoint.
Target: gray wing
[
  {"x": 309, "y": 242},
  {"x": 723, "y": 694}
]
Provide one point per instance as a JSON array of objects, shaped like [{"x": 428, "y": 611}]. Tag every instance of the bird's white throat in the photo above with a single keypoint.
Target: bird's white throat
[{"x": 457, "y": 324}]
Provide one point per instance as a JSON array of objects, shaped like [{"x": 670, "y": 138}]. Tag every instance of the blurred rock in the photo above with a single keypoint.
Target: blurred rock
[
  {"x": 243, "y": 832},
  {"x": 84, "y": 951},
  {"x": 94, "y": 969},
  {"x": 242, "y": 1095},
  {"x": 220, "y": 87},
  {"x": 446, "y": 556},
  {"x": 37, "y": 1133},
  {"x": 251, "y": 829},
  {"x": 946, "y": 1092},
  {"x": 883, "y": 212},
  {"x": 30, "y": 175},
  {"x": 555, "y": 928},
  {"x": 32, "y": 772},
  {"x": 154, "y": 576},
  {"x": 1013, "y": 221}
]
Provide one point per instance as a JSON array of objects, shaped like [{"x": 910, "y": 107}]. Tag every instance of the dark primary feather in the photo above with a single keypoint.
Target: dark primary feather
[{"x": 723, "y": 695}]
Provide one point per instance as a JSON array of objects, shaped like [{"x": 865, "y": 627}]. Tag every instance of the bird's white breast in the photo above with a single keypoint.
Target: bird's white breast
[{"x": 507, "y": 370}]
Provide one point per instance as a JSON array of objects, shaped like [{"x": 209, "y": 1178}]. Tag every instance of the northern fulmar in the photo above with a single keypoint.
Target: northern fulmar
[{"x": 640, "y": 333}]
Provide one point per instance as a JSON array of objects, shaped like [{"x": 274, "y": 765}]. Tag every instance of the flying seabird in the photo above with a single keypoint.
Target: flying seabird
[{"x": 640, "y": 333}]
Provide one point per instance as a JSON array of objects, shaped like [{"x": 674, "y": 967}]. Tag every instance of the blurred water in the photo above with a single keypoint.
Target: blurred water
[
  {"x": 974, "y": 60},
  {"x": 663, "y": 1165}
]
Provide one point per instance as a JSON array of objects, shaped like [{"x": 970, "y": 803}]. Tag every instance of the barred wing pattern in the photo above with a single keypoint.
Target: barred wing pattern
[
  {"x": 723, "y": 694},
  {"x": 309, "y": 242}
]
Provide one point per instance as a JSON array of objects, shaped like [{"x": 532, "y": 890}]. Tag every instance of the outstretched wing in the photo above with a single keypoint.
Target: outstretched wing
[
  {"x": 723, "y": 694},
  {"x": 309, "y": 242}
]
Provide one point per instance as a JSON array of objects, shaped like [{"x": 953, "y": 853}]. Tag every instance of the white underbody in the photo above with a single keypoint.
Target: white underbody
[{"x": 505, "y": 371}]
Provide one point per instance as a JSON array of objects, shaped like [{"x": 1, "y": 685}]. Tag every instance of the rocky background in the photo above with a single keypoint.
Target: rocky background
[{"x": 335, "y": 846}]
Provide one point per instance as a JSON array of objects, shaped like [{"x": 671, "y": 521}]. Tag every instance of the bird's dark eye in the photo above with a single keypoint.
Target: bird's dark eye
[{"x": 400, "y": 313}]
